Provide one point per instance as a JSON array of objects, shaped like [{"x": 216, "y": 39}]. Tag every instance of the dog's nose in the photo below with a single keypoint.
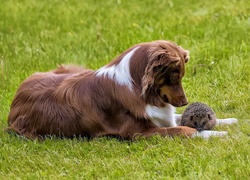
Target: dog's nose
[
  {"x": 180, "y": 103},
  {"x": 184, "y": 100},
  {"x": 184, "y": 103}
]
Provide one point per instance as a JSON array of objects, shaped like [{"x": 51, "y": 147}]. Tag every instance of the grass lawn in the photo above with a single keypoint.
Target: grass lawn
[{"x": 39, "y": 35}]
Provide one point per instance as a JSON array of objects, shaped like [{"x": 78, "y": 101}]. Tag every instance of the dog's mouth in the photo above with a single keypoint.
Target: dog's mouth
[
  {"x": 163, "y": 96},
  {"x": 165, "y": 99}
]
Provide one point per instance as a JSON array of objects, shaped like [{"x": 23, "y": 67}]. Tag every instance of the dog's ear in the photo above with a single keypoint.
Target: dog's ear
[
  {"x": 158, "y": 62},
  {"x": 185, "y": 54}
]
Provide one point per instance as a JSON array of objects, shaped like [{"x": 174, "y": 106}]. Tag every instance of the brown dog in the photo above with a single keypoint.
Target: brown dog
[{"x": 132, "y": 95}]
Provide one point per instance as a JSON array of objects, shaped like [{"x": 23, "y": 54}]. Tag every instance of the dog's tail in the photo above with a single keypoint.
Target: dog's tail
[{"x": 68, "y": 69}]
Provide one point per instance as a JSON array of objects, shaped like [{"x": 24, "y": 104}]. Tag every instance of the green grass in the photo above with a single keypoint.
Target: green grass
[{"x": 39, "y": 35}]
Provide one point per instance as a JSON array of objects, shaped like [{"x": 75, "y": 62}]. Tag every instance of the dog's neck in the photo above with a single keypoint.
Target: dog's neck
[{"x": 126, "y": 72}]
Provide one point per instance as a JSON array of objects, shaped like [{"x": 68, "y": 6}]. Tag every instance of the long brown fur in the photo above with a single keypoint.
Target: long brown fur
[{"x": 72, "y": 101}]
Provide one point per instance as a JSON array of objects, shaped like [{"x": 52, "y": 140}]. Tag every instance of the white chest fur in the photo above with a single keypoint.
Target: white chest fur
[{"x": 162, "y": 117}]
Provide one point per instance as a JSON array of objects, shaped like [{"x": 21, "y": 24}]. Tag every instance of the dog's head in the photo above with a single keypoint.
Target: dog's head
[{"x": 161, "y": 82}]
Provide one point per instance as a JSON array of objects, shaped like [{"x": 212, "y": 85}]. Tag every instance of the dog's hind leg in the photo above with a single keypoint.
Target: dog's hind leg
[{"x": 20, "y": 127}]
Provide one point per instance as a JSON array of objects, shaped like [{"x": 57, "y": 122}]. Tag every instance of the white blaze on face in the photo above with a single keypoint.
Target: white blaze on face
[
  {"x": 119, "y": 73},
  {"x": 161, "y": 117}
]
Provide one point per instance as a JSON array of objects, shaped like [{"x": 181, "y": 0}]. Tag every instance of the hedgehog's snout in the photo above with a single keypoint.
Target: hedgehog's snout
[{"x": 199, "y": 128}]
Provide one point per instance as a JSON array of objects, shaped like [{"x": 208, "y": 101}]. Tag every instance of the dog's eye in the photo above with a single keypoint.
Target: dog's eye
[
  {"x": 156, "y": 68},
  {"x": 163, "y": 69},
  {"x": 173, "y": 79},
  {"x": 158, "y": 91}
]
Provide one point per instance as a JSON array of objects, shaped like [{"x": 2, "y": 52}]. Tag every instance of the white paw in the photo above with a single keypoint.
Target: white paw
[
  {"x": 207, "y": 134},
  {"x": 226, "y": 121}
]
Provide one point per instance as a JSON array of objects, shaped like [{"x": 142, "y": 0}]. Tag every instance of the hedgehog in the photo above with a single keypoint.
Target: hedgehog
[{"x": 199, "y": 116}]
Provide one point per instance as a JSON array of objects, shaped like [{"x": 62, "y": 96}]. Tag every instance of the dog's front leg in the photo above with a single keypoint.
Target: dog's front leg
[
  {"x": 178, "y": 119},
  {"x": 192, "y": 133},
  {"x": 226, "y": 121},
  {"x": 183, "y": 131}
]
